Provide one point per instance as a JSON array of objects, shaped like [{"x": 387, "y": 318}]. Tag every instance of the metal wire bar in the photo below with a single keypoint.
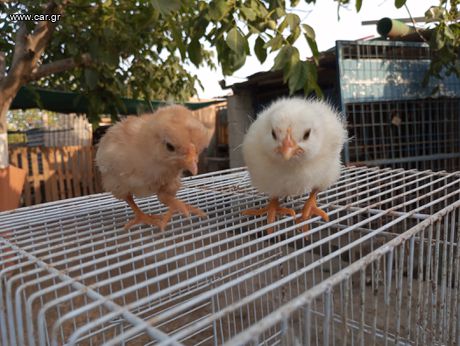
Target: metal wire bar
[{"x": 223, "y": 279}]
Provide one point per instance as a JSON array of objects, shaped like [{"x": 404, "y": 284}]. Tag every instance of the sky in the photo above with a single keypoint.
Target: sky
[{"x": 323, "y": 18}]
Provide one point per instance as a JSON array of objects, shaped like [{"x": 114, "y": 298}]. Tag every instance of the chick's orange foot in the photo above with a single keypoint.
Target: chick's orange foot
[
  {"x": 311, "y": 209},
  {"x": 272, "y": 209},
  {"x": 140, "y": 218},
  {"x": 177, "y": 205},
  {"x": 143, "y": 219}
]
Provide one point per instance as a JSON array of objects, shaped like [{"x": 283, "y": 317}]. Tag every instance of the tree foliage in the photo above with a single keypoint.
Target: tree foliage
[
  {"x": 444, "y": 39},
  {"x": 111, "y": 48}
]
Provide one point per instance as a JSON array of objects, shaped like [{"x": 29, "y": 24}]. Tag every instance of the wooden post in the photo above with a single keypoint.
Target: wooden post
[
  {"x": 11, "y": 178},
  {"x": 3, "y": 126}
]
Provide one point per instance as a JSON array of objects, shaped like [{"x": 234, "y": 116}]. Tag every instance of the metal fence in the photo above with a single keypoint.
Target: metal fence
[
  {"x": 385, "y": 269},
  {"x": 393, "y": 119}
]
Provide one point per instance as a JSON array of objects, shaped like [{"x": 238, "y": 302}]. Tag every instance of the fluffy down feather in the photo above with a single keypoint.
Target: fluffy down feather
[
  {"x": 318, "y": 166},
  {"x": 146, "y": 155},
  {"x": 293, "y": 147}
]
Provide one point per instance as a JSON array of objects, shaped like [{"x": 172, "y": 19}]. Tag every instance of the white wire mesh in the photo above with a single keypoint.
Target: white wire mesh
[{"x": 385, "y": 269}]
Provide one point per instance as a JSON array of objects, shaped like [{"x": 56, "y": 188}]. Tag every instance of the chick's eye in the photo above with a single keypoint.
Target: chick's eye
[
  {"x": 306, "y": 134},
  {"x": 170, "y": 147},
  {"x": 274, "y": 135}
]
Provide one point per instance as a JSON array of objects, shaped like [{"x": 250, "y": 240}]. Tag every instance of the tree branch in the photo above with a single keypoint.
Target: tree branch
[
  {"x": 60, "y": 66},
  {"x": 20, "y": 44},
  {"x": 27, "y": 52},
  {"x": 42, "y": 33},
  {"x": 415, "y": 25},
  {"x": 2, "y": 65}
]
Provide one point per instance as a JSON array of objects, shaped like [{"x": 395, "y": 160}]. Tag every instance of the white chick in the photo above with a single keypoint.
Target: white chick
[{"x": 293, "y": 148}]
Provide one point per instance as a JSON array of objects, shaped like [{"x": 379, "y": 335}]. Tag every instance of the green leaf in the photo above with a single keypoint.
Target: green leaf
[
  {"x": 249, "y": 13},
  {"x": 283, "y": 25},
  {"x": 297, "y": 76},
  {"x": 435, "y": 13},
  {"x": 194, "y": 52},
  {"x": 312, "y": 80},
  {"x": 280, "y": 10},
  {"x": 91, "y": 78},
  {"x": 177, "y": 36},
  {"x": 359, "y": 3},
  {"x": 275, "y": 43},
  {"x": 292, "y": 61},
  {"x": 271, "y": 24},
  {"x": 439, "y": 39},
  {"x": 259, "y": 49},
  {"x": 236, "y": 41},
  {"x": 282, "y": 58},
  {"x": 309, "y": 32},
  {"x": 293, "y": 20},
  {"x": 218, "y": 9},
  {"x": 166, "y": 6},
  {"x": 109, "y": 58},
  {"x": 314, "y": 48},
  {"x": 448, "y": 33},
  {"x": 294, "y": 35},
  {"x": 400, "y": 3},
  {"x": 236, "y": 61},
  {"x": 230, "y": 61}
]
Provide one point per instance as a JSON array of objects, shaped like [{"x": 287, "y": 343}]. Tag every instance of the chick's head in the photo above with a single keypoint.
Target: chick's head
[
  {"x": 177, "y": 138},
  {"x": 293, "y": 131}
]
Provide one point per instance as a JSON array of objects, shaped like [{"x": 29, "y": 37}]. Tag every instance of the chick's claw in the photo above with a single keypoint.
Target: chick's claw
[
  {"x": 140, "y": 218},
  {"x": 311, "y": 209},
  {"x": 177, "y": 205},
  {"x": 272, "y": 209},
  {"x": 143, "y": 219}
]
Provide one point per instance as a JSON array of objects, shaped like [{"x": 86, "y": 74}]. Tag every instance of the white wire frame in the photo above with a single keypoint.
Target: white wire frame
[{"x": 384, "y": 269}]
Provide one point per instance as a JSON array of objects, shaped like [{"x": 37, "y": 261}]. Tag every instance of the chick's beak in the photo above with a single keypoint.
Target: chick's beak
[
  {"x": 288, "y": 147},
  {"x": 191, "y": 160}
]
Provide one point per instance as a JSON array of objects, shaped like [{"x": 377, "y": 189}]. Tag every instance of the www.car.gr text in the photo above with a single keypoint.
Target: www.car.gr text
[{"x": 53, "y": 18}]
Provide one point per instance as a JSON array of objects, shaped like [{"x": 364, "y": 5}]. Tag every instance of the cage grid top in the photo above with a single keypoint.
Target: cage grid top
[
  {"x": 388, "y": 70},
  {"x": 71, "y": 275}
]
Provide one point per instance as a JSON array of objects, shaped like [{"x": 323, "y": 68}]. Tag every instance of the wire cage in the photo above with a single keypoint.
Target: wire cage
[
  {"x": 384, "y": 269},
  {"x": 393, "y": 119}
]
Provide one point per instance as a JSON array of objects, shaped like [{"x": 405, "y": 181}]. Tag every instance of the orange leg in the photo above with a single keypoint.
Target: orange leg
[
  {"x": 272, "y": 209},
  {"x": 139, "y": 216},
  {"x": 176, "y": 205},
  {"x": 311, "y": 209}
]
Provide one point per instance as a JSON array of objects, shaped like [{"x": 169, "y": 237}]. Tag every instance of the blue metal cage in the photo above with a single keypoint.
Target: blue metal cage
[{"x": 393, "y": 119}]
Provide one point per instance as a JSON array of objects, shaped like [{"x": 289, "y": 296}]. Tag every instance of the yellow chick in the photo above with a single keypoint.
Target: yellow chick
[{"x": 146, "y": 155}]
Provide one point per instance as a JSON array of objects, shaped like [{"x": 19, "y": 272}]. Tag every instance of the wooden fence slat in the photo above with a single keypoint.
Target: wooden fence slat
[
  {"x": 85, "y": 163},
  {"x": 27, "y": 184},
  {"x": 47, "y": 175},
  {"x": 36, "y": 175},
  {"x": 59, "y": 173},
  {"x": 54, "y": 177},
  {"x": 67, "y": 172},
  {"x": 90, "y": 166},
  {"x": 74, "y": 159},
  {"x": 13, "y": 157},
  {"x": 51, "y": 181},
  {"x": 95, "y": 171}
]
